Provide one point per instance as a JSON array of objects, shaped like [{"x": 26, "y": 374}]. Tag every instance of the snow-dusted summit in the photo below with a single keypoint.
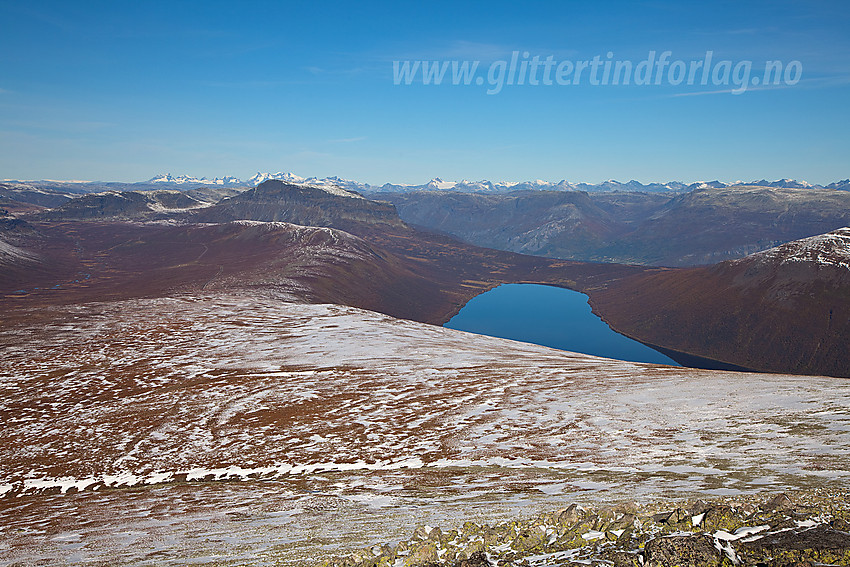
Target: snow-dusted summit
[
  {"x": 830, "y": 249},
  {"x": 288, "y": 177},
  {"x": 186, "y": 179}
]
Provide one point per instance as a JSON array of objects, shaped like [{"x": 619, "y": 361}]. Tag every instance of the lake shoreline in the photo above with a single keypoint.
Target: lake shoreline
[{"x": 552, "y": 316}]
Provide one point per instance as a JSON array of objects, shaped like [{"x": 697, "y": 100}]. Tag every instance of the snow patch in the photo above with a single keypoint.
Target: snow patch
[{"x": 830, "y": 249}]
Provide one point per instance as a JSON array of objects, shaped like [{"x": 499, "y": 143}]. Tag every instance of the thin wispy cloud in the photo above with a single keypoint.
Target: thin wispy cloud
[
  {"x": 474, "y": 51},
  {"x": 808, "y": 84},
  {"x": 251, "y": 84},
  {"x": 735, "y": 91},
  {"x": 347, "y": 140},
  {"x": 339, "y": 72},
  {"x": 68, "y": 126},
  {"x": 744, "y": 31},
  {"x": 824, "y": 82}
]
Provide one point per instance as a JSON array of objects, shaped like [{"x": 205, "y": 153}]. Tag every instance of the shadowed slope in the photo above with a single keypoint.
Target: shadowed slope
[{"x": 786, "y": 308}]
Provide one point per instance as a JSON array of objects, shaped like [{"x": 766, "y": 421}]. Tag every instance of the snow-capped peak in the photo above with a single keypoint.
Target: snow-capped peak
[
  {"x": 280, "y": 176},
  {"x": 783, "y": 183},
  {"x": 184, "y": 179},
  {"x": 441, "y": 185}
]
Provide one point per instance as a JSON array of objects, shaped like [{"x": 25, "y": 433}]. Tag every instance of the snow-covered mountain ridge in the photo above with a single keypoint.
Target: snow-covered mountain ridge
[
  {"x": 187, "y": 179},
  {"x": 485, "y": 186}
]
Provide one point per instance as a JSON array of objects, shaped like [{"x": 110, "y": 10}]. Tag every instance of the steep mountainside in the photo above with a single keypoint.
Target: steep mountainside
[
  {"x": 707, "y": 225},
  {"x": 386, "y": 268},
  {"x": 22, "y": 259},
  {"x": 13, "y": 233},
  {"x": 544, "y": 223},
  {"x": 118, "y": 260},
  {"x": 787, "y": 307}
]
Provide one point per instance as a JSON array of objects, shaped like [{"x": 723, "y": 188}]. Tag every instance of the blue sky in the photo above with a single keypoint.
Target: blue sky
[{"x": 123, "y": 91}]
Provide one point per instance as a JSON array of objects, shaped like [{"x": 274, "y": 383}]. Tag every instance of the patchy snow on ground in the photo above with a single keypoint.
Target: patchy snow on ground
[
  {"x": 391, "y": 420},
  {"x": 830, "y": 249}
]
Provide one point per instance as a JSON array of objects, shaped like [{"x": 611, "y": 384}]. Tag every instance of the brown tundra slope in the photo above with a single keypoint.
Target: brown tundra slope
[
  {"x": 785, "y": 308},
  {"x": 356, "y": 252}
]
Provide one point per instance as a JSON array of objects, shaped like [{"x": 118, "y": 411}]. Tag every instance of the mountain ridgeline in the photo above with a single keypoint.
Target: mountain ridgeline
[
  {"x": 271, "y": 201},
  {"x": 307, "y": 205}
]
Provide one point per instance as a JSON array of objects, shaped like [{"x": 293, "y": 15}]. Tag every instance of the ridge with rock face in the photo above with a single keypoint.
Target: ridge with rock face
[
  {"x": 309, "y": 205},
  {"x": 137, "y": 205}
]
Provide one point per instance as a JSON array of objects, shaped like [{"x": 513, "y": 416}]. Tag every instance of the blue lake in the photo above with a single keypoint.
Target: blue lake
[{"x": 550, "y": 316}]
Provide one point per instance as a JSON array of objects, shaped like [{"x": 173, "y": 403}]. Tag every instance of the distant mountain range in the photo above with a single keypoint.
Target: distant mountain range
[
  {"x": 484, "y": 186},
  {"x": 184, "y": 182}
]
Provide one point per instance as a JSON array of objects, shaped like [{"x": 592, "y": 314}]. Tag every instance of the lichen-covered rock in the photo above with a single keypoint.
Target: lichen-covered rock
[
  {"x": 819, "y": 544},
  {"x": 623, "y": 558},
  {"x": 721, "y": 518},
  {"x": 477, "y": 559},
  {"x": 422, "y": 555},
  {"x": 527, "y": 540},
  {"x": 684, "y": 551},
  {"x": 568, "y": 517},
  {"x": 772, "y": 532},
  {"x": 436, "y": 535},
  {"x": 624, "y": 521},
  {"x": 778, "y": 503},
  {"x": 661, "y": 517},
  {"x": 421, "y": 532},
  {"x": 471, "y": 550}
]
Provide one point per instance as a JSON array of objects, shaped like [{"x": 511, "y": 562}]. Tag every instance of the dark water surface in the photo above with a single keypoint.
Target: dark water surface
[{"x": 550, "y": 316}]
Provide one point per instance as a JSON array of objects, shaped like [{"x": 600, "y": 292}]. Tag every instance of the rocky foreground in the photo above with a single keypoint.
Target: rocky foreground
[{"x": 810, "y": 529}]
